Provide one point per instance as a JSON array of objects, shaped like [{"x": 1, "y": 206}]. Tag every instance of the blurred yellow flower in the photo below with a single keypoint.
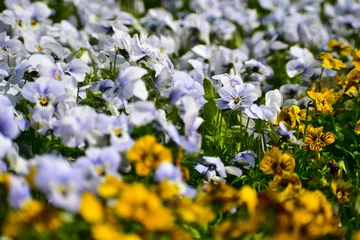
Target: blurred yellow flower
[
  {"x": 137, "y": 203},
  {"x": 110, "y": 187},
  {"x": 194, "y": 212},
  {"x": 147, "y": 155},
  {"x": 286, "y": 187},
  {"x": 106, "y": 231},
  {"x": 339, "y": 47},
  {"x": 91, "y": 209},
  {"x": 248, "y": 195}
]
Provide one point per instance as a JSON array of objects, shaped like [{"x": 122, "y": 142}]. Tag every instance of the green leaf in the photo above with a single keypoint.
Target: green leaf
[{"x": 209, "y": 89}]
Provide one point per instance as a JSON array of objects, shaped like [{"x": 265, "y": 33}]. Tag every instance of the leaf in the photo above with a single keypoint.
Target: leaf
[{"x": 209, "y": 89}]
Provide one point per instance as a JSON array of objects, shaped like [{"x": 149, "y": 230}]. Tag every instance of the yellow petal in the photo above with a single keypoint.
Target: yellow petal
[{"x": 91, "y": 209}]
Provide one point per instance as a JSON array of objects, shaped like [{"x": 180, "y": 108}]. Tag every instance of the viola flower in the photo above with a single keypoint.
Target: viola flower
[
  {"x": 356, "y": 58},
  {"x": 277, "y": 162},
  {"x": 139, "y": 204},
  {"x": 78, "y": 127},
  {"x": 325, "y": 100},
  {"x": 128, "y": 84},
  {"x": 8, "y": 46},
  {"x": 97, "y": 164},
  {"x": 342, "y": 190},
  {"x": 236, "y": 98},
  {"x": 19, "y": 192},
  {"x": 292, "y": 116},
  {"x": 213, "y": 165},
  {"x": 142, "y": 113},
  {"x": 286, "y": 187},
  {"x": 328, "y": 61},
  {"x": 62, "y": 183},
  {"x": 183, "y": 84},
  {"x": 357, "y": 127},
  {"x": 91, "y": 209},
  {"x": 248, "y": 157},
  {"x": 229, "y": 80},
  {"x": 19, "y": 119},
  {"x": 315, "y": 139},
  {"x": 338, "y": 47},
  {"x": 147, "y": 154},
  {"x": 8, "y": 127},
  {"x": 302, "y": 67},
  {"x": 117, "y": 128},
  {"x": 284, "y": 132},
  {"x": 170, "y": 174},
  {"x": 45, "y": 93}
]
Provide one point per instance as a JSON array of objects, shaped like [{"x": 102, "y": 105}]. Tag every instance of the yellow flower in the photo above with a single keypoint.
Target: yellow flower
[
  {"x": 357, "y": 127},
  {"x": 342, "y": 190},
  {"x": 194, "y": 212},
  {"x": 291, "y": 116},
  {"x": 349, "y": 86},
  {"x": 166, "y": 190},
  {"x": 324, "y": 101},
  {"x": 249, "y": 196},
  {"x": 221, "y": 194},
  {"x": 106, "y": 231},
  {"x": 286, "y": 187},
  {"x": 180, "y": 234},
  {"x": 110, "y": 187},
  {"x": 338, "y": 47},
  {"x": 91, "y": 209},
  {"x": 277, "y": 162},
  {"x": 356, "y": 58},
  {"x": 328, "y": 61},
  {"x": 137, "y": 203},
  {"x": 234, "y": 230},
  {"x": 147, "y": 154},
  {"x": 315, "y": 139}
]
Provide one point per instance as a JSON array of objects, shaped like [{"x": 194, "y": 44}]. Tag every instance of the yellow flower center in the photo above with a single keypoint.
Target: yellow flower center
[
  {"x": 237, "y": 100},
  {"x": 63, "y": 190},
  {"x": 38, "y": 48},
  {"x": 57, "y": 76},
  {"x": 100, "y": 171},
  {"x": 33, "y": 22},
  {"x": 117, "y": 132},
  {"x": 44, "y": 101}
]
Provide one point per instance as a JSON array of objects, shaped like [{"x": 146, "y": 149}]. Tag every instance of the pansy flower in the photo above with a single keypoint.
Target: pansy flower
[
  {"x": 211, "y": 166},
  {"x": 147, "y": 154},
  {"x": 117, "y": 128},
  {"x": 277, "y": 162},
  {"x": 339, "y": 47},
  {"x": 97, "y": 164},
  {"x": 236, "y": 98},
  {"x": 62, "y": 183},
  {"x": 8, "y": 46},
  {"x": 128, "y": 84},
  {"x": 324, "y": 100},
  {"x": 315, "y": 139},
  {"x": 19, "y": 192},
  {"x": 45, "y": 93},
  {"x": 328, "y": 61}
]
